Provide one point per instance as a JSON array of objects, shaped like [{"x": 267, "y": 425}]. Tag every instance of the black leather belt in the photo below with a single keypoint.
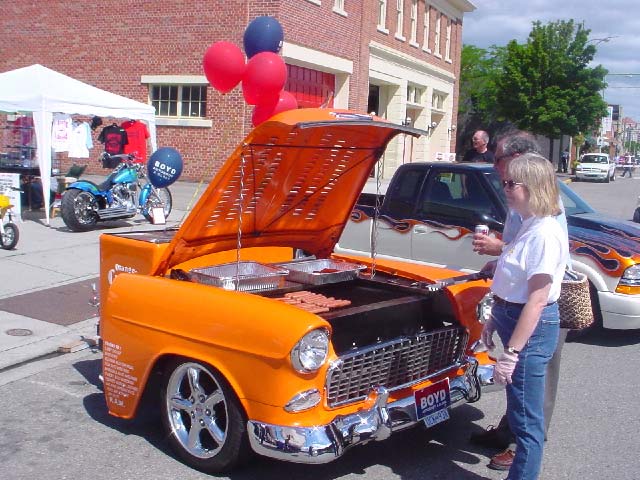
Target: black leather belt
[{"x": 501, "y": 301}]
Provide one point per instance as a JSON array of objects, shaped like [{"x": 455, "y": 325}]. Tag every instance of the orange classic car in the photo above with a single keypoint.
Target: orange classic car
[{"x": 243, "y": 347}]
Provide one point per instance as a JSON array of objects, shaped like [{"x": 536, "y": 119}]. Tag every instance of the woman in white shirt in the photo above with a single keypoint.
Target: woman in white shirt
[{"x": 526, "y": 287}]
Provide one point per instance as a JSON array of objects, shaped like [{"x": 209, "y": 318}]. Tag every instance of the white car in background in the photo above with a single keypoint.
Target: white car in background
[{"x": 596, "y": 166}]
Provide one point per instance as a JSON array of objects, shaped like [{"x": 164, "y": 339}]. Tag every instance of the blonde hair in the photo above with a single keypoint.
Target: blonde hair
[{"x": 538, "y": 175}]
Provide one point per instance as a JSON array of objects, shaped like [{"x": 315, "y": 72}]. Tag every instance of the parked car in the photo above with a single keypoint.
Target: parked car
[
  {"x": 636, "y": 213},
  {"x": 242, "y": 347},
  {"x": 596, "y": 166},
  {"x": 430, "y": 210}
]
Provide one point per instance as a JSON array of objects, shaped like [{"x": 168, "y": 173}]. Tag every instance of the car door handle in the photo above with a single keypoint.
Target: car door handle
[{"x": 420, "y": 229}]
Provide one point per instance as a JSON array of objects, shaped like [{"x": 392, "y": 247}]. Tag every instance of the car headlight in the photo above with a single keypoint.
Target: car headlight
[
  {"x": 310, "y": 353},
  {"x": 579, "y": 167},
  {"x": 483, "y": 310},
  {"x": 630, "y": 281}
]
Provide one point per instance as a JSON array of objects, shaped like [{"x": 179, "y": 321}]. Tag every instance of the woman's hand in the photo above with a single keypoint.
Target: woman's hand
[
  {"x": 504, "y": 368},
  {"x": 486, "y": 245},
  {"x": 487, "y": 334}
]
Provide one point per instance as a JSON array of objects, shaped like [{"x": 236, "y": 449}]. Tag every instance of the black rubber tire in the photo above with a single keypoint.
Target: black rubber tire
[
  {"x": 165, "y": 200},
  {"x": 608, "y": 179},
  {"x": 636, "y": 215},
  {"x": 214, "y": 401},
  {"x": 9, "y": 240},
  {"x": 79, "y": 210}
]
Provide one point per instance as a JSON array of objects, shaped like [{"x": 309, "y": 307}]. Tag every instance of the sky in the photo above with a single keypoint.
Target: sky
[{"x": 615, "y": 30}]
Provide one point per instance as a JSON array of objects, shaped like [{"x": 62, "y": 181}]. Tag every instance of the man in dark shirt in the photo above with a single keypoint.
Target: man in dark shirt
[{"x": 479, "y": 152}]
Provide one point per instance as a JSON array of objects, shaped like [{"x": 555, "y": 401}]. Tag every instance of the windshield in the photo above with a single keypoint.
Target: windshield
[
  {"x": 573, "y": 204},
  {"x": 594, "y": 159}
]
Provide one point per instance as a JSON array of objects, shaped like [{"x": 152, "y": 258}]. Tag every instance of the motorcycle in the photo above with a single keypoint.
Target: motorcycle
[
  {"x": 84, "y": 203},
  {"x": 9, "y": 233}
]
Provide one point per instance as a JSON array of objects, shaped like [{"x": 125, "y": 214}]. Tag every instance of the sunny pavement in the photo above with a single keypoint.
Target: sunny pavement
[{"x": 55, "y": 266}]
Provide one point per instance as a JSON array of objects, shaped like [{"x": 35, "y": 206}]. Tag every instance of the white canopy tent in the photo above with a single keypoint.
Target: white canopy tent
[{"x": 43, "y": 92}]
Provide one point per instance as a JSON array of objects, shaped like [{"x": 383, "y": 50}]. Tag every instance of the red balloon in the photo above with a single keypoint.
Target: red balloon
[
  {"x": 264, "y": 77},
  {"x": 264, "y": 111},
  {"x": 224, "y": 66}
]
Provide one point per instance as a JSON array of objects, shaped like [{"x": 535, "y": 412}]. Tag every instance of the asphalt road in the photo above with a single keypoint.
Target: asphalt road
[
  {"x": 617, "y": 198},
  {"x": 55, "y": 424}
]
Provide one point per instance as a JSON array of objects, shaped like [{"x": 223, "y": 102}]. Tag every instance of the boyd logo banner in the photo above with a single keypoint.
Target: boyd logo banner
[{"x": 164, "y": 167}]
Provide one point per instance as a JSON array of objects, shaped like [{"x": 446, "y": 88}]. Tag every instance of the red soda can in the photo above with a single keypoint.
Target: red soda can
[{"x": 483, "y": 229}]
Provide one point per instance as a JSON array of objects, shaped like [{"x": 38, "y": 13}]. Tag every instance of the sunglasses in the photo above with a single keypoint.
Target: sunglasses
[{"x": 511, "y": 184}]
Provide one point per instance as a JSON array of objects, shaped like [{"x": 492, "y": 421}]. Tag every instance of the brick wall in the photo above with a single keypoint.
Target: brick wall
[{"x": 111, "y": 44}]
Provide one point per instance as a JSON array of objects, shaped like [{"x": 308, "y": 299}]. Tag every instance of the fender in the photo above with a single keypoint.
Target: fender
[
  {"x": 86, "y": 186},
  {"x": 144, "y": 194}
]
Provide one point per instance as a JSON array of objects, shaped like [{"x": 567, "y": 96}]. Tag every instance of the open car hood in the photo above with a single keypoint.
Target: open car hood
[{"x": 292, "y": 182}]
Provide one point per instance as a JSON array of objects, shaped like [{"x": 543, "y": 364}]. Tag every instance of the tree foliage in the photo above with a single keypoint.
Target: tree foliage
[
  {"x": 546, "y": 85},
  {"x": 478, "y": 71}
]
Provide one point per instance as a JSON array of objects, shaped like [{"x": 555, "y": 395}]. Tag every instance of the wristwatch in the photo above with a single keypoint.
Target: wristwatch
[{"x": 512, "y": 350}]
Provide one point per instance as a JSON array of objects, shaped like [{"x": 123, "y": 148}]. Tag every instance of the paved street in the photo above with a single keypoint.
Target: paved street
[
  {"x": 65, "y": 432},
  {"x": 56, "y": 426}
]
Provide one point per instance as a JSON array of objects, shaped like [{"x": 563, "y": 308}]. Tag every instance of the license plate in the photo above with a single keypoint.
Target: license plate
[{"x": 432, "y": 403}]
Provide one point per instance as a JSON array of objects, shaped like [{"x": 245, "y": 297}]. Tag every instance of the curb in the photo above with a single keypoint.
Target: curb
[{"x": 77, "y": 337}]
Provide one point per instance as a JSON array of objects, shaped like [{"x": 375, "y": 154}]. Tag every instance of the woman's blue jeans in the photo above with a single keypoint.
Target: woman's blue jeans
[{"x": 525, "y": 395}]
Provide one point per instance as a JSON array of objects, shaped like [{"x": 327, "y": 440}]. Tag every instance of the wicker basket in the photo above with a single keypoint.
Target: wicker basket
[{"x": 574, "y": 303}]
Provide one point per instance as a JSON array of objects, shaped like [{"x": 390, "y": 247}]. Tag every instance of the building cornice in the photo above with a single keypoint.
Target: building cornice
[
  {"x": 453, "y": 8},
  {"x": 306, "y": 57},
  {"x": 402, "y": 59}
]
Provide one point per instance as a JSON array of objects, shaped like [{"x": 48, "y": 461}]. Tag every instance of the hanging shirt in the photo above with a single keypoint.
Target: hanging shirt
[
  {"x": 80, "y": 141},
  {"x": 137, "y": 134},
  {"x": 114, "y": 139},
  {"x": 23, "y": 126},
  {"x": 61, "y": 132}
]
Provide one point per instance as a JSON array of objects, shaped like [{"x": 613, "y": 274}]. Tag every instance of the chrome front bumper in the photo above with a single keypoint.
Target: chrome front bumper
[{"x": 324, "y": 443}]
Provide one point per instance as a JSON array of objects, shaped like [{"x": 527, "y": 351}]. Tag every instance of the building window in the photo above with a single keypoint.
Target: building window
[
  {"x": 447, "y": 44},
  {"x": 183, "y": 101},
  {"x": 338, "y": 5},
  {"x": 382, "y": 15},
  {"x": 414, "y": 21},
  {"x": 436, "y": 36},
  {"x": 427, "y": 21},
  {"x": 400, "y": 17},
  {"x": 437, "y": 100},
  {"x": 414, "y": 94}
]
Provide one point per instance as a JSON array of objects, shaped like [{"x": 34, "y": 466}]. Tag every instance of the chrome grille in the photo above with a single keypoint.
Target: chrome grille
[{"x": 394, "y": 364}]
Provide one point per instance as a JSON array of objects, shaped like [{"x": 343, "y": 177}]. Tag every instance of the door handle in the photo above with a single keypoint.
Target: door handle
[{"x": 419, "y": 229}]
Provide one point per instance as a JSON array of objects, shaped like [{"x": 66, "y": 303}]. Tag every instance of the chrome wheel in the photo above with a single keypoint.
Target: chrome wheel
[
  {"x": 159, "y": 197},
  {"x": 10, "y": 236},
  {"x": 203, "y": 417},
  {"x": 79, "y": 210}
]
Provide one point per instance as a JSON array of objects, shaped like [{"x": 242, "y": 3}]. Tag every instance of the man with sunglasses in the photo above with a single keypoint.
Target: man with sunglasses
[{"x": 510, "y": 146}]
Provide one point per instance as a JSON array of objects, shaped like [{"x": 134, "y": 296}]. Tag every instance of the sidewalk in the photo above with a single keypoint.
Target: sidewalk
[{"x": 44, "y": 282}]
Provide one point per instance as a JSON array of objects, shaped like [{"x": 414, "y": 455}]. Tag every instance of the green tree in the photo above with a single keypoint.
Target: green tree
[
  {"x": 479, "y": 69},
  {"x": 546, "y": 85}
]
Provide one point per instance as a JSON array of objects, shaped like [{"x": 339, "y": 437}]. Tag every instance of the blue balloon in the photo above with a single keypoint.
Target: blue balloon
[
  {"x": 263, "y": 34},
  {"x": 164, "y": 167}
]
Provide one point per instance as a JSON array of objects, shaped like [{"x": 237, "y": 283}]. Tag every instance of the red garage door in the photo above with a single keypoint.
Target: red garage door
[{"x": 311, "y": 88}]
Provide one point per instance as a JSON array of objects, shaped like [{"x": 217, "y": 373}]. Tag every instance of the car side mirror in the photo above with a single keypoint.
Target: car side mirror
[{"x": 488, "y": 220}]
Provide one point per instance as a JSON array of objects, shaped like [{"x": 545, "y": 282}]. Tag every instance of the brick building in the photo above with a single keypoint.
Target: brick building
[{"x": 398, "y": 58}]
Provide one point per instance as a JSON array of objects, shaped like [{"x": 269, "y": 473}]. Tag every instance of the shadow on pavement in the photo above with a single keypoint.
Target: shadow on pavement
[{"x": 606, "y": 338}]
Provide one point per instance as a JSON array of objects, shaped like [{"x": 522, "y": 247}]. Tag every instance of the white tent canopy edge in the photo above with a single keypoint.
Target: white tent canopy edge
[{"x": 43, "y": 92}]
